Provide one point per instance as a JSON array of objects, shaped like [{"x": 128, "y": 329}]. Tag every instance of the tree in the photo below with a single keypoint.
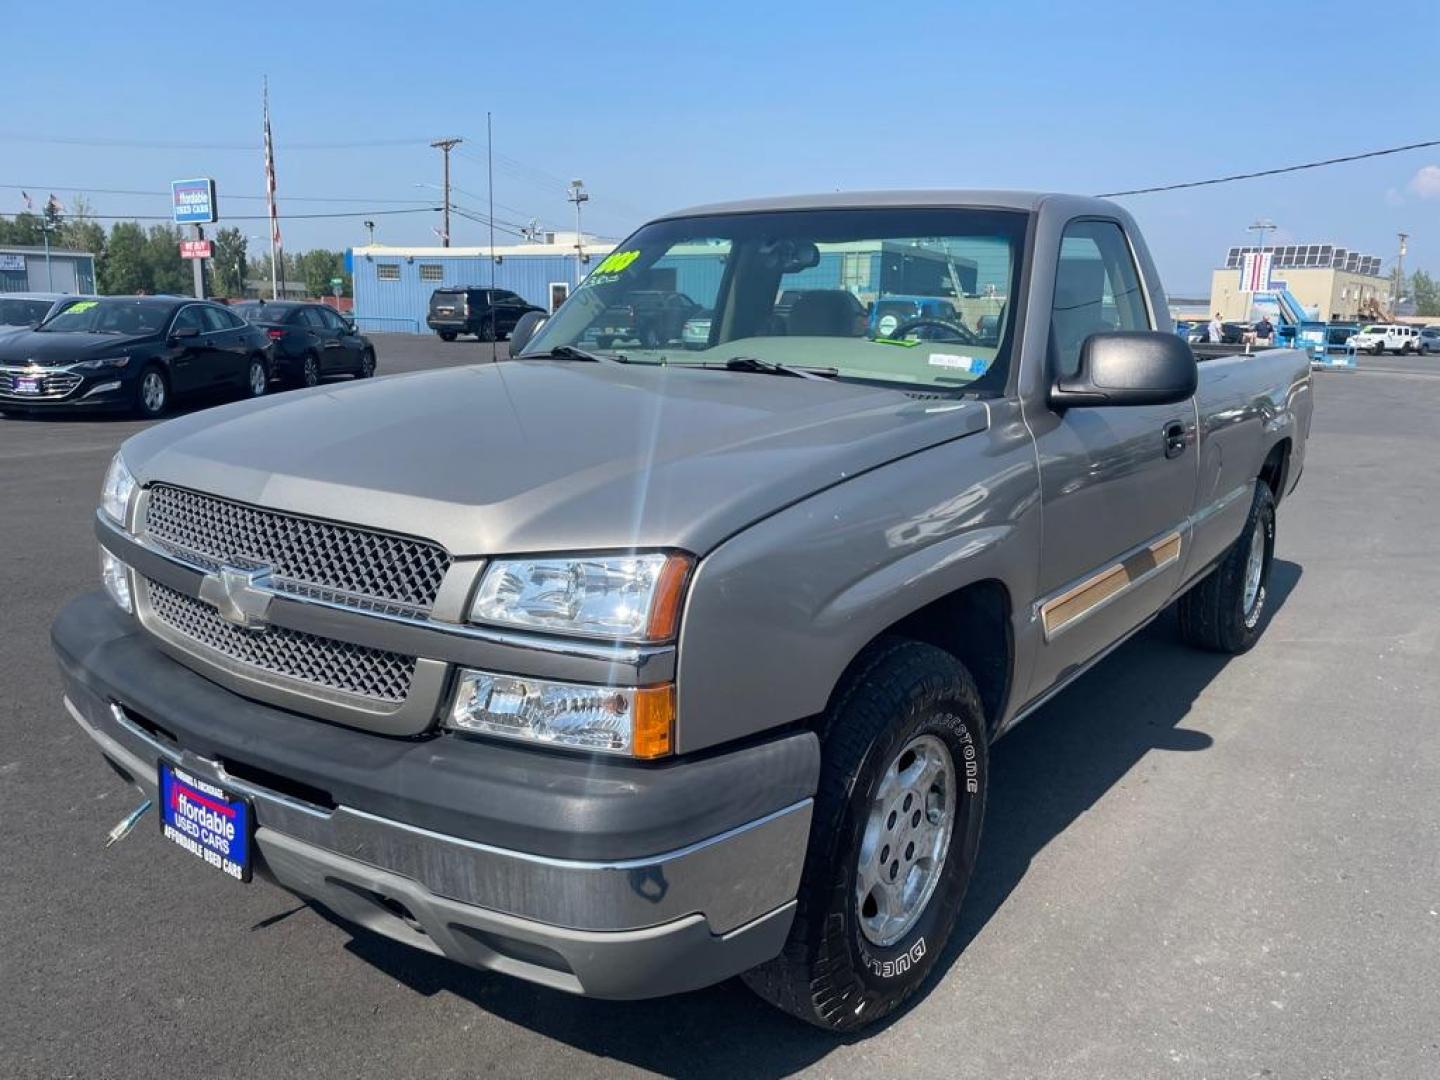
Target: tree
[
  {"x": 1425, "y": 291},
  {"x": 316, "y": 268},
  {"x": 24, "y": 230},
  {"x": 80, "y": 232},
  {"x": 229, "y": 264},
  {"x": 126, "y": 269},
  {"x": 169, "y": 272}
]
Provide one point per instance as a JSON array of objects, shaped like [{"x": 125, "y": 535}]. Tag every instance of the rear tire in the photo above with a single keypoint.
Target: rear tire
[
  {"x": 257, "y": 378},
  {"x": 446, "y": 335},
  {"x": 1227, "y": 611},
  {"x": 850, "y": 961}
]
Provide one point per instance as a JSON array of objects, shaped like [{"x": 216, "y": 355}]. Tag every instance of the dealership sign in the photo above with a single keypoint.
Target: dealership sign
[
  {"x": 193, "y": 201},
  {"x": 12, "y": 262},
  {"x": 195, "y": 249}
]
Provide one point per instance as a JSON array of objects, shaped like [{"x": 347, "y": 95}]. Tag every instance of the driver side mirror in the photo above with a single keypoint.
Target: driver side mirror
[
  {"x": 1135, "y": 367},
  {"x": 525, "y": 329}
]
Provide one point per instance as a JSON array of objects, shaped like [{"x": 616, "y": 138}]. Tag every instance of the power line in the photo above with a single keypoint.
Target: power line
[
  {"x": 246, "y": 217},
  {"x": 137, "y": 144},
  {"x": 82, "y": 190},
  {"x": 1273, "y": 172}
]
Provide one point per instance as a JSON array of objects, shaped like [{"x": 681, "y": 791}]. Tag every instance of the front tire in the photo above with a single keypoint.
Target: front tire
[
  {"x": 310, "y": 371},
  {"x": 367, "y": 365},
  {"x": 152, "y": 394},
  {"x": 893, "y": 839},
  {"x": 1226, "y": 612}
]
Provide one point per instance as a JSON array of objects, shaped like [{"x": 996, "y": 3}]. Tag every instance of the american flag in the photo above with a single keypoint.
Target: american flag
[{"x": 275, "y": 246}]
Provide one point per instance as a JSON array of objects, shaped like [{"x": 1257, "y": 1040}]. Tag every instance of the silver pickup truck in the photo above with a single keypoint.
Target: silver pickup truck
[{"x": 626, "y": 669}]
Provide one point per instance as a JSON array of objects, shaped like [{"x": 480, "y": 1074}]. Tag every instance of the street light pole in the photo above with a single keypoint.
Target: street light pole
[{"x": 445, "y": 146}]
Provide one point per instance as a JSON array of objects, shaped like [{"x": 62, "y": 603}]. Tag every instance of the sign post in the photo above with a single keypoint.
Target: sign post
[{"x": 193, "y": 203}]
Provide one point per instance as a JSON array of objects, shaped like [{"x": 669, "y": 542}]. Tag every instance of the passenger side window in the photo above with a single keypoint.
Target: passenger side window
[
  {"x": 188, "y": 317},
  {"x": 314, "y": 319},
  {"x": 1097, "y": 290},
  {"x": 331, "y": 320}
]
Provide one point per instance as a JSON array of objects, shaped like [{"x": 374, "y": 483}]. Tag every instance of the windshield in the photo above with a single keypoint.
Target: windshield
[
  {"x": 108, "y": 317},
  {"x": 22, "y": 312},
  {"x": 913, "y": 296}
]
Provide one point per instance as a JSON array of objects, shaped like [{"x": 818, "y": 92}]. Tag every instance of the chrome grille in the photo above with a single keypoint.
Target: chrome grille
[
  {"x": 335, "y": 665},
  {"x": 310, "y": 558},
  {"x": 52, "y": 385}
]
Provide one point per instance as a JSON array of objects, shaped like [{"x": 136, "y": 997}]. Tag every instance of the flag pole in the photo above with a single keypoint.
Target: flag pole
[{"x": 270, "y": 195}]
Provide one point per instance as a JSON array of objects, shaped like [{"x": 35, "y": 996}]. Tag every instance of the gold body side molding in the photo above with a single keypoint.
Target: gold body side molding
[{"x": 1075, "y": 603}]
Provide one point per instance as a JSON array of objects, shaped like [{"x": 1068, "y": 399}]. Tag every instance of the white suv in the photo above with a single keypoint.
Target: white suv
[{"x": 1381, "y": 336}]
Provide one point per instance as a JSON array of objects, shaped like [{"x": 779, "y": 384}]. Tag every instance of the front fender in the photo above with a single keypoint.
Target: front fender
[{"x": 776, "y": 613}]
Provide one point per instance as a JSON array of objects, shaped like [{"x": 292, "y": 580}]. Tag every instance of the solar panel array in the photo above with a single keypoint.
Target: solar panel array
[{"x": 1292, "y": 256}]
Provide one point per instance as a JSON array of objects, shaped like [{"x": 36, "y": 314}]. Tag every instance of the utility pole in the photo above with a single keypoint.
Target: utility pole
[
  {"x": 1399, "y": 274},
  {"x": 445, "y": 146},
  {"x": 578, "y": 195}
]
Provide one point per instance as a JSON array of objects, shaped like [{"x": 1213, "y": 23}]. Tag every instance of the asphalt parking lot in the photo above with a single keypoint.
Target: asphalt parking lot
[{"x": 1192, "y": 867}]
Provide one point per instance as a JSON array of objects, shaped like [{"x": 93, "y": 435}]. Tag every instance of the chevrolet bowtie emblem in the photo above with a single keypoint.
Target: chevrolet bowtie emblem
[{"x": 242, "y": 597}]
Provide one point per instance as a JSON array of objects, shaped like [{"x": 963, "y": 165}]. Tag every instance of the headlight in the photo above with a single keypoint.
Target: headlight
[
  {"x": 115, "y": 495},
  {"x": 117, "y": 581},
  {"x": 635, "y": 721},
  {"x": 621, "y": 597},
  {"x": 107, "y": 363}
]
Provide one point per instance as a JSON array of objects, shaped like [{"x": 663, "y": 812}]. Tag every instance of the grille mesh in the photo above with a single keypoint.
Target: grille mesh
[
  {"x": 335, "y": 665},
  {"x": 318, "y": 559}
]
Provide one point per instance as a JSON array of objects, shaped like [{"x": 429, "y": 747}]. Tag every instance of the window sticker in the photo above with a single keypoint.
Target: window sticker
[
  {"x": 904, "y": 343},
  {"x": 614, "y": 263},
  {"x": 79, "y": 306},
  {"x": 975, "y": 365}
]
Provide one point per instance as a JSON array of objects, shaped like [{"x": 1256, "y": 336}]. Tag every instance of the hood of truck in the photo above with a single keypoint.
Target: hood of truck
[{"x": 538, "y": 455}]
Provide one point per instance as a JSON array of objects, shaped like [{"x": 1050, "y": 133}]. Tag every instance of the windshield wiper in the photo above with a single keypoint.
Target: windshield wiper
[
  {"x": 570, "y": 352},
  {"x": 772, "y": 367}
]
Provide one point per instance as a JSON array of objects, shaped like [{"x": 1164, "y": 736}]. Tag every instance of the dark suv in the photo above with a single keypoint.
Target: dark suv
[{"x": 486, "y": 313}]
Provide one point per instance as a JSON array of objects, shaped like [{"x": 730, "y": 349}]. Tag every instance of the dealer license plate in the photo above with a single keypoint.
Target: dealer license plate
[
  {"x": 27, "y": 384},
  {"x": 199, "y": 817}
]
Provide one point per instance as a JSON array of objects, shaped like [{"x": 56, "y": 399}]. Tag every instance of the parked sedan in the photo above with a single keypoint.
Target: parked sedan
[
  {"x": 311, "y": 341},
  {"x": 1429, "y": 339},
  {"x": 131, "y": 354},
  {"x": 21, "y": 311}
]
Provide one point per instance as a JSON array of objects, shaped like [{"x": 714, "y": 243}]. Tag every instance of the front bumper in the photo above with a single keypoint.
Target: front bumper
[
  {"x": 704, "y": 905},
  {"x": 94, "y": 392}
]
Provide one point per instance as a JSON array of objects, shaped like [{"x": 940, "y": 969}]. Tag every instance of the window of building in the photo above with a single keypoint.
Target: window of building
[
  {"x": 432, "y": 272},
  {"x": 387, "y": 271}
]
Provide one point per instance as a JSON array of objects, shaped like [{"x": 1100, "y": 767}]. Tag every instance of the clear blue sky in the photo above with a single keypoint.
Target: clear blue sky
[{"x": 659, "y": 105}]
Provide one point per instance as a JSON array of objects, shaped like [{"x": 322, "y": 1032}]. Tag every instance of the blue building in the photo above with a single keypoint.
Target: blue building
[{"x": 393, "y": 284}]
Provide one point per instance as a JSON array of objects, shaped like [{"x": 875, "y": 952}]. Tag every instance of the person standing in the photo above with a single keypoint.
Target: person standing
[
  {"x": 1264, "y": 331},
  {"x": 1215, "y": 331}
]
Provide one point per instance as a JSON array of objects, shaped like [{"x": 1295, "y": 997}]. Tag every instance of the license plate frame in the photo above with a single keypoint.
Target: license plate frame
[{"x": 204, "y": 820}]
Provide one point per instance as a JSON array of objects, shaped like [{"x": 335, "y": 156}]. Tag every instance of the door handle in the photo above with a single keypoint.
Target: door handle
[{"x": 1174, "y": 439}]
